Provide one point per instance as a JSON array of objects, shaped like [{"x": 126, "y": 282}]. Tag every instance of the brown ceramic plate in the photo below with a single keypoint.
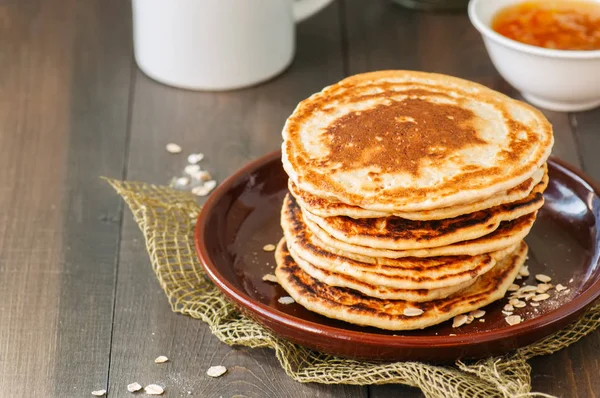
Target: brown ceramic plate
[{"x": 242, "y": 216}]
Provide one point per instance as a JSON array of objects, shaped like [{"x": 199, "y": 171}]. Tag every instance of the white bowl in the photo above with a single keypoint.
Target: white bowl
[{"x": 558, "y": 80}]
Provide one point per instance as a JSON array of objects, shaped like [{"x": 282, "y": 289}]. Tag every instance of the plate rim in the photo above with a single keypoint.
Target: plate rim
[{"x": 573, "y": 307}]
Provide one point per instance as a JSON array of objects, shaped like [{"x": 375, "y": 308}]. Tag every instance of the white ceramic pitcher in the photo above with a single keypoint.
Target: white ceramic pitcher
[{"x": 217, "y": 44}]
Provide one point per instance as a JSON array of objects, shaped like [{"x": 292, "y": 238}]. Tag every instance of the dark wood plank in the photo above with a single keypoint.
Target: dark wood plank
[
  {"x": 230, "y": 128},
  {"x": 587, "y": 131},
  {"x": 385, "y": 36},
  {"x": 64, "y": 79}
]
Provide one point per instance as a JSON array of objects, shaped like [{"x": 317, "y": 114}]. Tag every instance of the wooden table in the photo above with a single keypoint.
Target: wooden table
[{"x": 81, "y": 309}]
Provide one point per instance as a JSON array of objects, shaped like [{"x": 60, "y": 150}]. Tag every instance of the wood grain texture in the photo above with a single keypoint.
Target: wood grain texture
[
  {"x": 384, "y": 36},
  {"x": 63, "y": 119},
  {"x": 230, "y": 129}
]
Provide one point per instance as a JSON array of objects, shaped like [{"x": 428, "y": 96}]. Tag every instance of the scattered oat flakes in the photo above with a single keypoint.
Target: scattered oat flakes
[
  {"x": 470, "y": 319},
  {"x": 541, "y": 297},
  {"x": 161, "y": 359},
  {"x": 411, "y": 311},
  {"x": 216, "y": 371},
  {"x": 518, "y": 277},
  {"x": 481, "y": 320},
  {"x": 507, "y": 313},
  {"x": 543, "y": 278},
  {"x": 508, "y": 307},
  {"x": 560, "y": 288},
  {"x": 567, "y": 291},
  {"x": 459, "y": 320},
  {"x": 270, "y": 278},
  {"x": 513, "y": 288},
  {"x": 477, "y": 313},
  {"x": 524, "y": 271},
  {"x": 452, "y": 334},
  {"x": 534, "y": 304},
  {"x": 134, "y": 387},
  {"x": 543, "y": 287},
  {"x": 154, "y": 389},
  {"x": 513, "y": 319},
  {"x": 191, "y": 169},
  {"x": 571, "y": 280},
  {"x": 269, "y": 248},
  {"x": 173, "y": 148},
  {"x": 99, "y": 393},
  {"x": 286, "y": 300},
  {"x": 194, "y": 158}
]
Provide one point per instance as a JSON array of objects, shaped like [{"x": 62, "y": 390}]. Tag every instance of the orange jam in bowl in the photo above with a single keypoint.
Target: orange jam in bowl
[{"x": 555, "y": 24}]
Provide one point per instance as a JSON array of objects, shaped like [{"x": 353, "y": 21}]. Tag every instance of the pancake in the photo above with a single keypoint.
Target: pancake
[
  {"x": 404, "y": 273},
  {"x": 400, "y": 141},
  {"x": 351, "y": 306},
  {"x": 372, "y": 290},
  {"x": 507, "y": 234},
  {"x": 396, "y": 233},
  {"x": 326, "y": 208}
]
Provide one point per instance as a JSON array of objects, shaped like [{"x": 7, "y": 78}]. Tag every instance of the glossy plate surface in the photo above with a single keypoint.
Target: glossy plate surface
[{"x": 242, "y": 215}]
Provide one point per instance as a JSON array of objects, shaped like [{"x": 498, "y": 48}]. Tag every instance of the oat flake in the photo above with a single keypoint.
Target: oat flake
[
  {"x": 202, "y": 190},
  {"x": 154, "y": 389},
  {"x": 411, "y": 311},
  {"x": 201, "y": 175},
  {"x": 513, "y": 319},
  {"x": 513, "y": 288},
  {"x": 560, "y": 288},
  {"x": 519, "y": 304},
  {"x": 161, "y": 359},
  {"x": 195, "y": 158},
  {"x": 182, "y": 181},
  {"x": 459, "y": 320},
  {"x": 543, "y": 287},
  {"x": 99, "y": 393},
  {"x": 477, "y": 313},
  {"x": 541, "y": 297},
  {"x": 216, "y": 371},
  {"x": 270, "y": 278},
  {"x": 191, "y": 169},
  {"x": 173, "y": 148},
  {"x": 527, "y": 288},
  {"x": 286, "y": 300},
  {"x": 210, "y": 185},
  {"x": 133, "y": 387},
  {"x": 543, "y": 278},
  {"x": 269, "y": 248}
]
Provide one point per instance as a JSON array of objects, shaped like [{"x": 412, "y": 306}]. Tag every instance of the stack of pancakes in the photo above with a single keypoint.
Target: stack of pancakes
[{"x": 410, "y": 196}]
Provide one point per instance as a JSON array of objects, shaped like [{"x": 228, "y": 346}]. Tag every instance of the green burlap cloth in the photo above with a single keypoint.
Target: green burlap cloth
[{"x": 167, "y": 219}]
